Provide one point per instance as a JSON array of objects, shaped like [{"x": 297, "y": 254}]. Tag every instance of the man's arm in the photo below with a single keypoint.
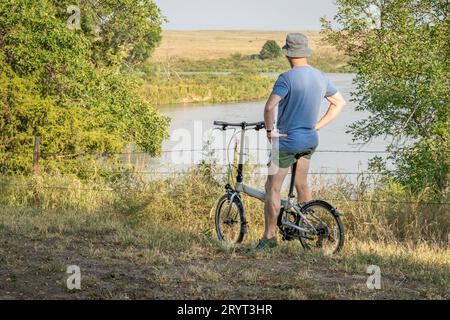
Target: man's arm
[
  {"x": 269, "y": 116},
  {"x": 337, "y": 103}
]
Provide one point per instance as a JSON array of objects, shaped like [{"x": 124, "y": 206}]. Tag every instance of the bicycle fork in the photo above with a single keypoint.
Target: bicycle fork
[{"x": 233, "y": 197}]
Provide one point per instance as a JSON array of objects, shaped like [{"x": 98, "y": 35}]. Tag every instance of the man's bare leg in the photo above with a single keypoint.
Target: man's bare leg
[
  {"x": 272, "y": 202},
  {"x": 301, "y": 180}
]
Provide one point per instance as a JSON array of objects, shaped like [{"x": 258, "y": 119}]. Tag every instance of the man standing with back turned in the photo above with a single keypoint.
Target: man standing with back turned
[{"x": 298, "y": 94}]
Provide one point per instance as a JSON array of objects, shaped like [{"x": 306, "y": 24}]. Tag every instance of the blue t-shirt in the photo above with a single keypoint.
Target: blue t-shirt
[{"x": 302, "y": 90}]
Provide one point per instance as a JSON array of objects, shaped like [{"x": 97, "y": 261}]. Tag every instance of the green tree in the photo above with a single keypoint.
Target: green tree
[
  {"x": 399, "y": 50},
  {"x": 55, "y": 84},
  {"x": 270, "y": 50},
  {"x": 123, "y": 32}
]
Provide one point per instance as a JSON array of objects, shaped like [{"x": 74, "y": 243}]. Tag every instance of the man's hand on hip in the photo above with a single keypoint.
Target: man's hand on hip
[{"x": 273, "y": 134}]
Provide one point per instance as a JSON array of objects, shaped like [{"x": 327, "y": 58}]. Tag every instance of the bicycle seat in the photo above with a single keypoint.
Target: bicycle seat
[{"x": 301, "y": 154}]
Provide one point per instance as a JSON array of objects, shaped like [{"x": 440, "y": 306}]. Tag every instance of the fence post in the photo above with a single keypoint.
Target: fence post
[{"x": 36, "y": 155}]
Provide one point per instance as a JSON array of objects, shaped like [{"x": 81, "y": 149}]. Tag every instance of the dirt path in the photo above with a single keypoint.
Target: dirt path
[{"x": 34, "y": 268}]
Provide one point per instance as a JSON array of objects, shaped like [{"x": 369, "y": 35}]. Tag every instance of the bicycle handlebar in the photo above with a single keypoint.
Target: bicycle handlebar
[{"x": 244, "y": 125}]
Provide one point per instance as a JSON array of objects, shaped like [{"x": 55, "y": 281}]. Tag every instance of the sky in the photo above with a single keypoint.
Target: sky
[{"x": 245, "y": 14}]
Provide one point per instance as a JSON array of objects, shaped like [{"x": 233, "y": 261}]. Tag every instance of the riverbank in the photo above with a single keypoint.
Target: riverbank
[
  {"x": 238, "y": 63},
  {"x": 155, "y": 240},
  {"x": 160, "y": 87},
  {"x": 161, "y": 90}
]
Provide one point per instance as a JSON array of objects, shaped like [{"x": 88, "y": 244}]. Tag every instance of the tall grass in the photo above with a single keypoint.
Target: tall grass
[
  {"x": 186, "y": 201},
  {"x": 164, "y": 228}
]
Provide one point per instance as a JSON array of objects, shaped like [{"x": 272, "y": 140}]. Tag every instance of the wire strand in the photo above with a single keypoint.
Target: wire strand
[{"x": 100, "y": 154}]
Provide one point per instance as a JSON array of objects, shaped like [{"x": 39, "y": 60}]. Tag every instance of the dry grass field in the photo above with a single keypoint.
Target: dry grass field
[{"x": 215, "y": 44}]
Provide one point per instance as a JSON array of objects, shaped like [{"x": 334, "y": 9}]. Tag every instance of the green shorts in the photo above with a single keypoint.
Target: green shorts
[{"x": 285, "y": 159}]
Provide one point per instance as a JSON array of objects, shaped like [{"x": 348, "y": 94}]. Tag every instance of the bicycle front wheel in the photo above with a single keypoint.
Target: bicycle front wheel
[
  {"x": 328, "y": 234},
  {"x": 230, "y": 220}
]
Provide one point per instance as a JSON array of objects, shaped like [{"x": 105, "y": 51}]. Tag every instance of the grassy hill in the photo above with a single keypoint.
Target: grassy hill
[
  {"x": 215, "y": 44},
  {"x": 235, "y": 51}
]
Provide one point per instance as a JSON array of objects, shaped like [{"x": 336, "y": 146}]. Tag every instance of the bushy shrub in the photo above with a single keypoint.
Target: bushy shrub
[{"x": 270, "y": 50}]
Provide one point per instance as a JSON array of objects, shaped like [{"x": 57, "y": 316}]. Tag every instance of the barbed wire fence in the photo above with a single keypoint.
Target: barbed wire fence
[
  {"x": 181, "y": 172},
  {"x": 179, "y": 150},
  {"x": 37, "y": 155}
]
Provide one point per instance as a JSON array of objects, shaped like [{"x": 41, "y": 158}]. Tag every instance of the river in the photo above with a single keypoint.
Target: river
[{"x": 191, "y": 126}]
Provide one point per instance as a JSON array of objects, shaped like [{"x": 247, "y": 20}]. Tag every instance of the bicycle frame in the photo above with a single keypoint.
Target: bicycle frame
[
  {"x": 293, "y": 217},
  {"x": 286, "y": 204},
  {"x": 255, "y": 193}
]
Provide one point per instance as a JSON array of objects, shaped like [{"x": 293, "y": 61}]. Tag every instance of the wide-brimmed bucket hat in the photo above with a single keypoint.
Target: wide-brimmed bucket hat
[{"x": 296, "y": 46}]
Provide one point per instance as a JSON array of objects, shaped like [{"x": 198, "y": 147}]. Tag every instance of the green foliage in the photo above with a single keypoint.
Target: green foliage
[
  {"x": 122, "y": 32},
  {"x": 270, "y": 50},
  {"x": 400, "y": 55},
  {"x": 55, "y": 83}
]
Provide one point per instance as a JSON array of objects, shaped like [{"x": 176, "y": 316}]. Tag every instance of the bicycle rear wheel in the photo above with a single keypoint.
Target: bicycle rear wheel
[
  {"x": 230, "y": 220},
  {"x": 330, "y": 229}
]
